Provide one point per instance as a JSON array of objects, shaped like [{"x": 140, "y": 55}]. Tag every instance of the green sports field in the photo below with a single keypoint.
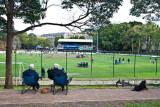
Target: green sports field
[{"x": 102, "y": 66}]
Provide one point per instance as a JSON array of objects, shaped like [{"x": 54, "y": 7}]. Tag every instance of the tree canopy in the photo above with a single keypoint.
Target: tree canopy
[{"x": 148, "y": 9}]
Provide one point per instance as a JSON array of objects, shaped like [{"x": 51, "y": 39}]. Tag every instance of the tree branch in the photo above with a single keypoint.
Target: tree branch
[
  {"x": 7, "y": 6},
  {"x": 3, "y": 9},
  {"x": 71, "y": 24},
  {"x": 21, "y": 7},
  {"x": 35, "y": 9}
]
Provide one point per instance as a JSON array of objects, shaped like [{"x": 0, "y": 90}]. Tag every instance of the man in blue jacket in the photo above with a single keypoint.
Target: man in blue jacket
[{"x": 31, "y": 71}]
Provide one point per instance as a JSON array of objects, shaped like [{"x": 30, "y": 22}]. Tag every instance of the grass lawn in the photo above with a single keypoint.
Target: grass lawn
[
  {"x": 102, "y": 67},
  {"x": 151, "y": 103}
]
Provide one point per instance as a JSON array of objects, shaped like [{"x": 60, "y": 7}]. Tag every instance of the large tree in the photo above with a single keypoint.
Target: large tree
[
  {"x": 112, "y": 36},
  {"x": 95, "y": 12},
  {"x": 150, "y": 10}
]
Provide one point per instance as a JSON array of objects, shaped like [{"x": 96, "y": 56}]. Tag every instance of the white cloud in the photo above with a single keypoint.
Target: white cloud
[{"x": 123, "y": 14}]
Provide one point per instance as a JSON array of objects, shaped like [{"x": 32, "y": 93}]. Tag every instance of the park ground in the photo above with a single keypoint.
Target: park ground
[{"x": 99, "y": 97}]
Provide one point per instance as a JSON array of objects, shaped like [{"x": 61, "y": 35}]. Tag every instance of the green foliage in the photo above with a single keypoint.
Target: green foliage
[
  {"x": 74, "y": 37},
  {"x": 143, "y": 34},
  {"x": 44, "y": 42},
  {"x": 112, "y": 37},
  {"x": 135, "y": 23},
  {"x": 149, "y": 8},
  {"x": 47, "y": 43},
  {"x": 119, "y": 37},
  {"x": 81, "y": 37},
  {"x": 24, "y": 40},
  {"x": 33, "y": 41},
  {"x": 56, "y": 40},
  {"x": 29, "y": 16},
  {"x": 41, "y": 41}
]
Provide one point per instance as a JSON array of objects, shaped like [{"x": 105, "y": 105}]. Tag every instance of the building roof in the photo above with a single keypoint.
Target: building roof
[{"x": 76, "y": 40}]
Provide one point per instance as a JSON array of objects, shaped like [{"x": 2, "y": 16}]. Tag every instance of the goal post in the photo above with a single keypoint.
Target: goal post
[{"x": 15, "y": 74}]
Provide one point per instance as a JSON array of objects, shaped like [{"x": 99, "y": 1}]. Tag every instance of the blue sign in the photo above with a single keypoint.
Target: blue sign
[{"x": 71, "y": 46}]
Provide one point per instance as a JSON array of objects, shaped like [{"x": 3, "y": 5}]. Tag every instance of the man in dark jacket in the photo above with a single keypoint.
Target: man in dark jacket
[
  {"x": 31, "y": 71},
  {"x": 57, "y": 71}
]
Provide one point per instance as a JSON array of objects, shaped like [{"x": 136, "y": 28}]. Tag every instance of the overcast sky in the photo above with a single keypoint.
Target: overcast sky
[{"x": 56, "y": 14}]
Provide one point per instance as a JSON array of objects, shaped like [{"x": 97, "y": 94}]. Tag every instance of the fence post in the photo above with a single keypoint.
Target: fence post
[
  {"x": 91, "y": 65},
  {"x": 41, "y": 62},
  {"x": 156, "y": 64},
  {"x": 15, "y": 66},
  {"x": 66, "y": 61},
  {"x": 113, "y": 65},
  {"x": 134, "y": 64}
]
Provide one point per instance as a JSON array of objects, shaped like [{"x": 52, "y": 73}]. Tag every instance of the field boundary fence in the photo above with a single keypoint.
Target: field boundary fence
[{"x": 91, "y": 65}]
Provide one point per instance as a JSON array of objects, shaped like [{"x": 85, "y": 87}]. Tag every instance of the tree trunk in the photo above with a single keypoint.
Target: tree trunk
[{"x": 8, "y": 79}]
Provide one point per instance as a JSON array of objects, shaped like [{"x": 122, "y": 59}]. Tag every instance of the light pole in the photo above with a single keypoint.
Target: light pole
[
  {"x": 132, "y": 45},
  {"x": 96, "y": 29},
  {"x": 97, "y": 41}
]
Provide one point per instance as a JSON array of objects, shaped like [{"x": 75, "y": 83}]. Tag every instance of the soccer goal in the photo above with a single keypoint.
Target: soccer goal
[{"x": 17, "y": 69}]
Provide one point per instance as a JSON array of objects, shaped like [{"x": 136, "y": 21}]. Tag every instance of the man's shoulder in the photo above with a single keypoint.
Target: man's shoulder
[{"x": 29, "y": 70}]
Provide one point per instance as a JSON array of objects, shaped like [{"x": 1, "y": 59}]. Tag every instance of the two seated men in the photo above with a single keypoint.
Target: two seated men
[{"x": 51, "y": 73}]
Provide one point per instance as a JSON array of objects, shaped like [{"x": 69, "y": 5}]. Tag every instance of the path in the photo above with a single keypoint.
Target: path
[{"x": 77, "y": 95}]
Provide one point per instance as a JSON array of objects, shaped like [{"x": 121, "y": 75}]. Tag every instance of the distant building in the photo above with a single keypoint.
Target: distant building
[
  {"x": 52, "y": 36},
  {"x": 16, "y": 43}
]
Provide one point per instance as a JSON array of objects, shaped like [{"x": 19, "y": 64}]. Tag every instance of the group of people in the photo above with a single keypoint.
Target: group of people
[
  {"x": 50, "y": 72},
  {"x": 118, "y": 61},
  {"x": 154, "y": 60}
]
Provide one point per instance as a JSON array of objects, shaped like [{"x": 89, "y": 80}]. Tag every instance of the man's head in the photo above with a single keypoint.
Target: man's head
[
  {"x": 31, "y": 66},
  {"x": 56, "y": 66}
]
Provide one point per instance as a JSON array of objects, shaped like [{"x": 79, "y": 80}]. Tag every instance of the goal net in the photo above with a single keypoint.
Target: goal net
[{"x": 17, "y": 69}]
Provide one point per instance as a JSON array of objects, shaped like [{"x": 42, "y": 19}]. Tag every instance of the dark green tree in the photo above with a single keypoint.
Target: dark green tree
[
  {"x": 47, "y": 43},
  {"x": 81, "y": 37},
  {"x": 135, "y": 23},
  {"x": 134, "y": 38},
  {"x": 32, "y": 11},
  {"x": 56, "y": 40},
  {"x": 112, "y": 36},
  {"x": 74, "y": 37},
  {"x": 24, "y": 40},
  {"x": 33, "y": 41}
]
